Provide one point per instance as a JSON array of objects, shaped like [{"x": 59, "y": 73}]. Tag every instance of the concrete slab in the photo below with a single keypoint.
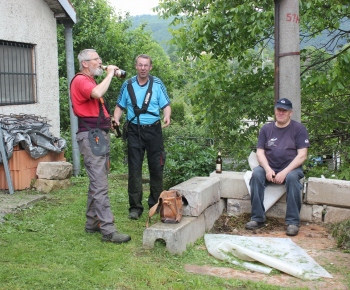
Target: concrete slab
[
  {"x": 176, "y": 236},
  {"x": 232, "y": 184},
  {"x": 200, "y": 193},
  {"x": 325, "y": 191},
  {"x": 213, "y": 212},
  {"x": 9, "y": 203},
  {"x": 336, "y": 214}
]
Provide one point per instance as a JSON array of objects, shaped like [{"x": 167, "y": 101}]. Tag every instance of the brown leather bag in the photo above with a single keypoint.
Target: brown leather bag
[{"x": 170, "y": 207}]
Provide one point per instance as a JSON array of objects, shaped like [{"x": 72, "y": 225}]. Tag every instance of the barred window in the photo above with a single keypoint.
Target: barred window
[{"x": 17, "y": 73}]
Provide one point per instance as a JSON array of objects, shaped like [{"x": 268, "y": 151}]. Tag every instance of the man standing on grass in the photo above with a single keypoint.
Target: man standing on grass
[
  {"x": 144, "y": 131},
  {"x": 88, "y": 106},
  {"x": 281, "y": 151}
]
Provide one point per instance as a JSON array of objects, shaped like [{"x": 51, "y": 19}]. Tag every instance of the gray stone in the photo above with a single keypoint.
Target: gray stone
[
  {"x": 46, "y": 185},
  {"x": 58, "y": 170},
  {"x": 317, "y": 212}
]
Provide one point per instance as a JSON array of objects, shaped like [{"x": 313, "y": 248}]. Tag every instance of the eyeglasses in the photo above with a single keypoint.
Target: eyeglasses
[
  {"x": 143, "y": 65},
  {"x": 97, "y": 58}
]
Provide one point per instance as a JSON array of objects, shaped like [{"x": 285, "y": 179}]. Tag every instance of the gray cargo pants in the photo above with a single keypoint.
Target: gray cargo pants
[{"x": 98, "y": 209}]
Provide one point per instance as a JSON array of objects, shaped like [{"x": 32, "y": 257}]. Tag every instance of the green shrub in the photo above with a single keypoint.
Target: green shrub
[
  {"x": 341, "y": 232},
  {"x": 178, "y": 113},
  {"x": 186, "y": 158}
]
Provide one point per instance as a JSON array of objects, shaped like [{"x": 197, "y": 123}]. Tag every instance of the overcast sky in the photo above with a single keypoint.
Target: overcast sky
[{"x": 135, "y": 7}]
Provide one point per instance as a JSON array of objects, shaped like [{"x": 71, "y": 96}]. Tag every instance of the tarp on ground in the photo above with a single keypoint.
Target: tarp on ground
[{"x": 278, "y": 253}]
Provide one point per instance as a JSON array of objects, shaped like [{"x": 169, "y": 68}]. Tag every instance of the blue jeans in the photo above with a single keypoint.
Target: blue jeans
[{"x": 258, "y": 182}]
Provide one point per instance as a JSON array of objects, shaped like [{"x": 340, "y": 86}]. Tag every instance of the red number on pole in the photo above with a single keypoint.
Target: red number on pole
[{"x": 291, "y": 17}]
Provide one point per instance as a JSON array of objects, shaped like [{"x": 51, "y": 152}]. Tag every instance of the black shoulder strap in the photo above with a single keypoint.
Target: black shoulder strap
[{"x": 146, "y": 100}]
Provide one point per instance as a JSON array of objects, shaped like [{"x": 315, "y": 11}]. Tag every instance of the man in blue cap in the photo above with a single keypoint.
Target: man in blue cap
[{"x": 281, "y": 151}]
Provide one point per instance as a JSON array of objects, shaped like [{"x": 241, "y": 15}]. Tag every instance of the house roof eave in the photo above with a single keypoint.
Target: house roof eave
[{"x": 63, "y": 10}]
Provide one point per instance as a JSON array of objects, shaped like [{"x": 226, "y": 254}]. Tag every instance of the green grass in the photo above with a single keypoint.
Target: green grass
[{"x": 45, "y": 247}]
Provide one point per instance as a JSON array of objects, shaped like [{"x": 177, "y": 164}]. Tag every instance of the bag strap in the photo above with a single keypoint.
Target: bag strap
[{"x": 153, "y": 209}]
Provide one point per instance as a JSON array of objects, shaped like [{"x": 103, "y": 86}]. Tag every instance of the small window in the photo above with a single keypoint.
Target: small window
[{"x": 17, "y": 73}]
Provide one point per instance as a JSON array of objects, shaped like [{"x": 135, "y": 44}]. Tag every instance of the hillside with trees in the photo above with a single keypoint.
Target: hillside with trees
[{"x": 158, "y": 27}]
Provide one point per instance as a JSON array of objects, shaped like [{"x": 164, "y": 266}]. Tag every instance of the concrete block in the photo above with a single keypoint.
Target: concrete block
[
  {"x": 317, "y": 213},
  {"x": 232, "y": 184},
  {"x": 328, "y": 191},
  {"x": 176, "y": 236},
  {"x": 212, "y": 213},
  {"x": 236, "y": 207},
  {"x": 306, "y": 213},
  {"x": 278, "y": 210},
  {"x": 200, "y": 193},
  {"x": 336, "y": 214}
]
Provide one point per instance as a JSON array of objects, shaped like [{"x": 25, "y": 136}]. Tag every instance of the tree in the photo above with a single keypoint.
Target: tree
[
  {"x": 100, "y": 28},
  {"x": 236, "y": 32}
]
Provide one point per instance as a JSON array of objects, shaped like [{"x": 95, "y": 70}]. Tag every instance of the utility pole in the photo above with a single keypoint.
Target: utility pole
[{"x": 287, "y": 54}]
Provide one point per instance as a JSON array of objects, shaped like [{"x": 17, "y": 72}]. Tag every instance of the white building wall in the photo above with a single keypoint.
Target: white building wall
[{"x": 32, "y": 21}]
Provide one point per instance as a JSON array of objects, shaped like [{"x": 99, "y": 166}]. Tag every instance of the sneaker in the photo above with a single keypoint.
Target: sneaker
[
  {"x": 252, "y": 225},
  {"x": 134, "y": 215},
  {"x": 93, "y": 230},
  {"x": 116, "y": 237},
  {"x": 292, "y": 230}
]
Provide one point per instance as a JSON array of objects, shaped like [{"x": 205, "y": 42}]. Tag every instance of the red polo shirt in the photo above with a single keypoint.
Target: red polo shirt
[{"x": 83, "y": 104}]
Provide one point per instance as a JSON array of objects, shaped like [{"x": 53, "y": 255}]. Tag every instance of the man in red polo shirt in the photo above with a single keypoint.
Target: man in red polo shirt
[{"x": 88, "y": 106}]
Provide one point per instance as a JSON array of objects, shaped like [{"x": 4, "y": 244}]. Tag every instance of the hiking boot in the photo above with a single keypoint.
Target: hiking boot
[
  {"x": 116, "y": 237},
  {"x": 292, "y": 230},
  {"x": 134, "y": 215},
  {"x": 253, "y": 225}
]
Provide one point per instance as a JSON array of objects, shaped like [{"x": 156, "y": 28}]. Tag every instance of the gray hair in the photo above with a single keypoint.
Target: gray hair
[
  {"x": 84, "y": 55},
  {"x": 146, "y": 56}
]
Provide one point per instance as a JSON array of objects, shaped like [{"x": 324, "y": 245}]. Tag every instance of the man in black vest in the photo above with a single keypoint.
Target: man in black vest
[
  {"x": 144, "y": 131},
  {"x": 88, "y": 106}
]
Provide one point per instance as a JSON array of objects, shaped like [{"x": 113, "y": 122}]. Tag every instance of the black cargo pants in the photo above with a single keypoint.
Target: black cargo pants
[{"x": 143, "y": 138}]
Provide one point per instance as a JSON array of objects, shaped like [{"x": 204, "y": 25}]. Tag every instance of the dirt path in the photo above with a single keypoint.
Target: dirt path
[{"x": 315, "y": 239}]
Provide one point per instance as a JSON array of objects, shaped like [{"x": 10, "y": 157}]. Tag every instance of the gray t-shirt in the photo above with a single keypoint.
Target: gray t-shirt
[{"x": 281, "y": 144}]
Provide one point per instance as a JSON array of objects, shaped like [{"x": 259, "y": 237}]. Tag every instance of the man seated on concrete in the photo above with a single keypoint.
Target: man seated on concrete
[{"x": 281, "y": 151}]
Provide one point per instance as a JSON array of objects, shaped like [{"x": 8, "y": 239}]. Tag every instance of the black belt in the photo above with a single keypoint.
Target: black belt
[{"x": 147, "y": 125}]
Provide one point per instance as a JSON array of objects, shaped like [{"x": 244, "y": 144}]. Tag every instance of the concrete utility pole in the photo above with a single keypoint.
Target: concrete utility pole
[
  {"x": 70, "y": 74},
  {"x": 287, "y": 54}
]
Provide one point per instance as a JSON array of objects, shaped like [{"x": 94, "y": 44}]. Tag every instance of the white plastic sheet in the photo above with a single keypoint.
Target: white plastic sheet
[
  {"x": 279, "y": 253},
  {"x": 273, "y": 192}
]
